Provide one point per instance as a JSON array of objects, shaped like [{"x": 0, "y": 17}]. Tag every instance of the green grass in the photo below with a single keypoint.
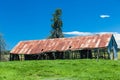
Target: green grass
[{"x": 60, "y": 70}]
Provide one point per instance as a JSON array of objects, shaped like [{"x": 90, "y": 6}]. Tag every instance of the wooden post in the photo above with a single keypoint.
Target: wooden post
[
  {"x": 54, "y": 55},
  {"x": 80, "y": 54},
  {"x": 108, "y": 52},
  {"x": 108, "y": 55},
  {"x": 87, "y": 53},
  {"x": 69, "y": 54},
  {"x": 104, "y": 54},
  {"x": 72, "y": 55},
  {"x": 10, "y": 57},
  {"x": 97, "y": 55},
  {"x": 77, "y": 55},
  {"x": 45, "y": 56},
  {"x": 113, "y": 55},
  {"x": 20, "y": 57},
  {"x": 63, "y": 54}
]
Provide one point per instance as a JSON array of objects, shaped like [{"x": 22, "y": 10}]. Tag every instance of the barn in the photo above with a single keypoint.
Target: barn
[{"x": 81, "y": 47}]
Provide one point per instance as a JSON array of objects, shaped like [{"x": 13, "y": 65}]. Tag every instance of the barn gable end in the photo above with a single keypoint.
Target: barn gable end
[{"x": 112, "y": 48}]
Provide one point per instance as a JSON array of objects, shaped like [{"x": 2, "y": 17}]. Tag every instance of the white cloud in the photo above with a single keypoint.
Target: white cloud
[
  {"x": 77, "y": 33},
  {"x": 104, "y": 16}
]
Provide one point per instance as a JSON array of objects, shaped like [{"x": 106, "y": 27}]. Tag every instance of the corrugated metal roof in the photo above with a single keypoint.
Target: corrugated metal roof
[{"x": 62, "y": 44}]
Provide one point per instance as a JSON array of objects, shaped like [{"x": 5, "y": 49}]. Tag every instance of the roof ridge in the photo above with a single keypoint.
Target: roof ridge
[{"x": 68, "y": 37}]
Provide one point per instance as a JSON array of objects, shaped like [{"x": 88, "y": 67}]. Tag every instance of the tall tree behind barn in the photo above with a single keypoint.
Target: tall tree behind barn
[
  {"x": 57, "y": 25},
  {"x": 56, "y": 31}
]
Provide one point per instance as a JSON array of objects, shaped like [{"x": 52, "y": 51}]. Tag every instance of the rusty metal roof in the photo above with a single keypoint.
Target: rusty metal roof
[{"x": 62, "y": 44}]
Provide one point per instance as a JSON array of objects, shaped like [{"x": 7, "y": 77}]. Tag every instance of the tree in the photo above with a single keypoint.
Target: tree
[
  {"x": 57, "y": 25},
  {"x": 2, "y": 46}
]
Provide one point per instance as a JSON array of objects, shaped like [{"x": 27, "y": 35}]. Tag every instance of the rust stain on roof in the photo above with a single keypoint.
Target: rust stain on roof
[{"x": 62, "y": 44}]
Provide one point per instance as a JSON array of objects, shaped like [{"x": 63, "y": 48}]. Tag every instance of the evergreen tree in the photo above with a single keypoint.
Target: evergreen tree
[{"x": 57, "y": 25}]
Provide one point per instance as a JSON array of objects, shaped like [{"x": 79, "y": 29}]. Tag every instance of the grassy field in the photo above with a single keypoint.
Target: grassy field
[{"x": 60, "y": 70}]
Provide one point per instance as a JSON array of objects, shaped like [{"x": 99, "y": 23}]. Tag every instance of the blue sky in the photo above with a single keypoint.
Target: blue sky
[{"x": 31, "y": 19}]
